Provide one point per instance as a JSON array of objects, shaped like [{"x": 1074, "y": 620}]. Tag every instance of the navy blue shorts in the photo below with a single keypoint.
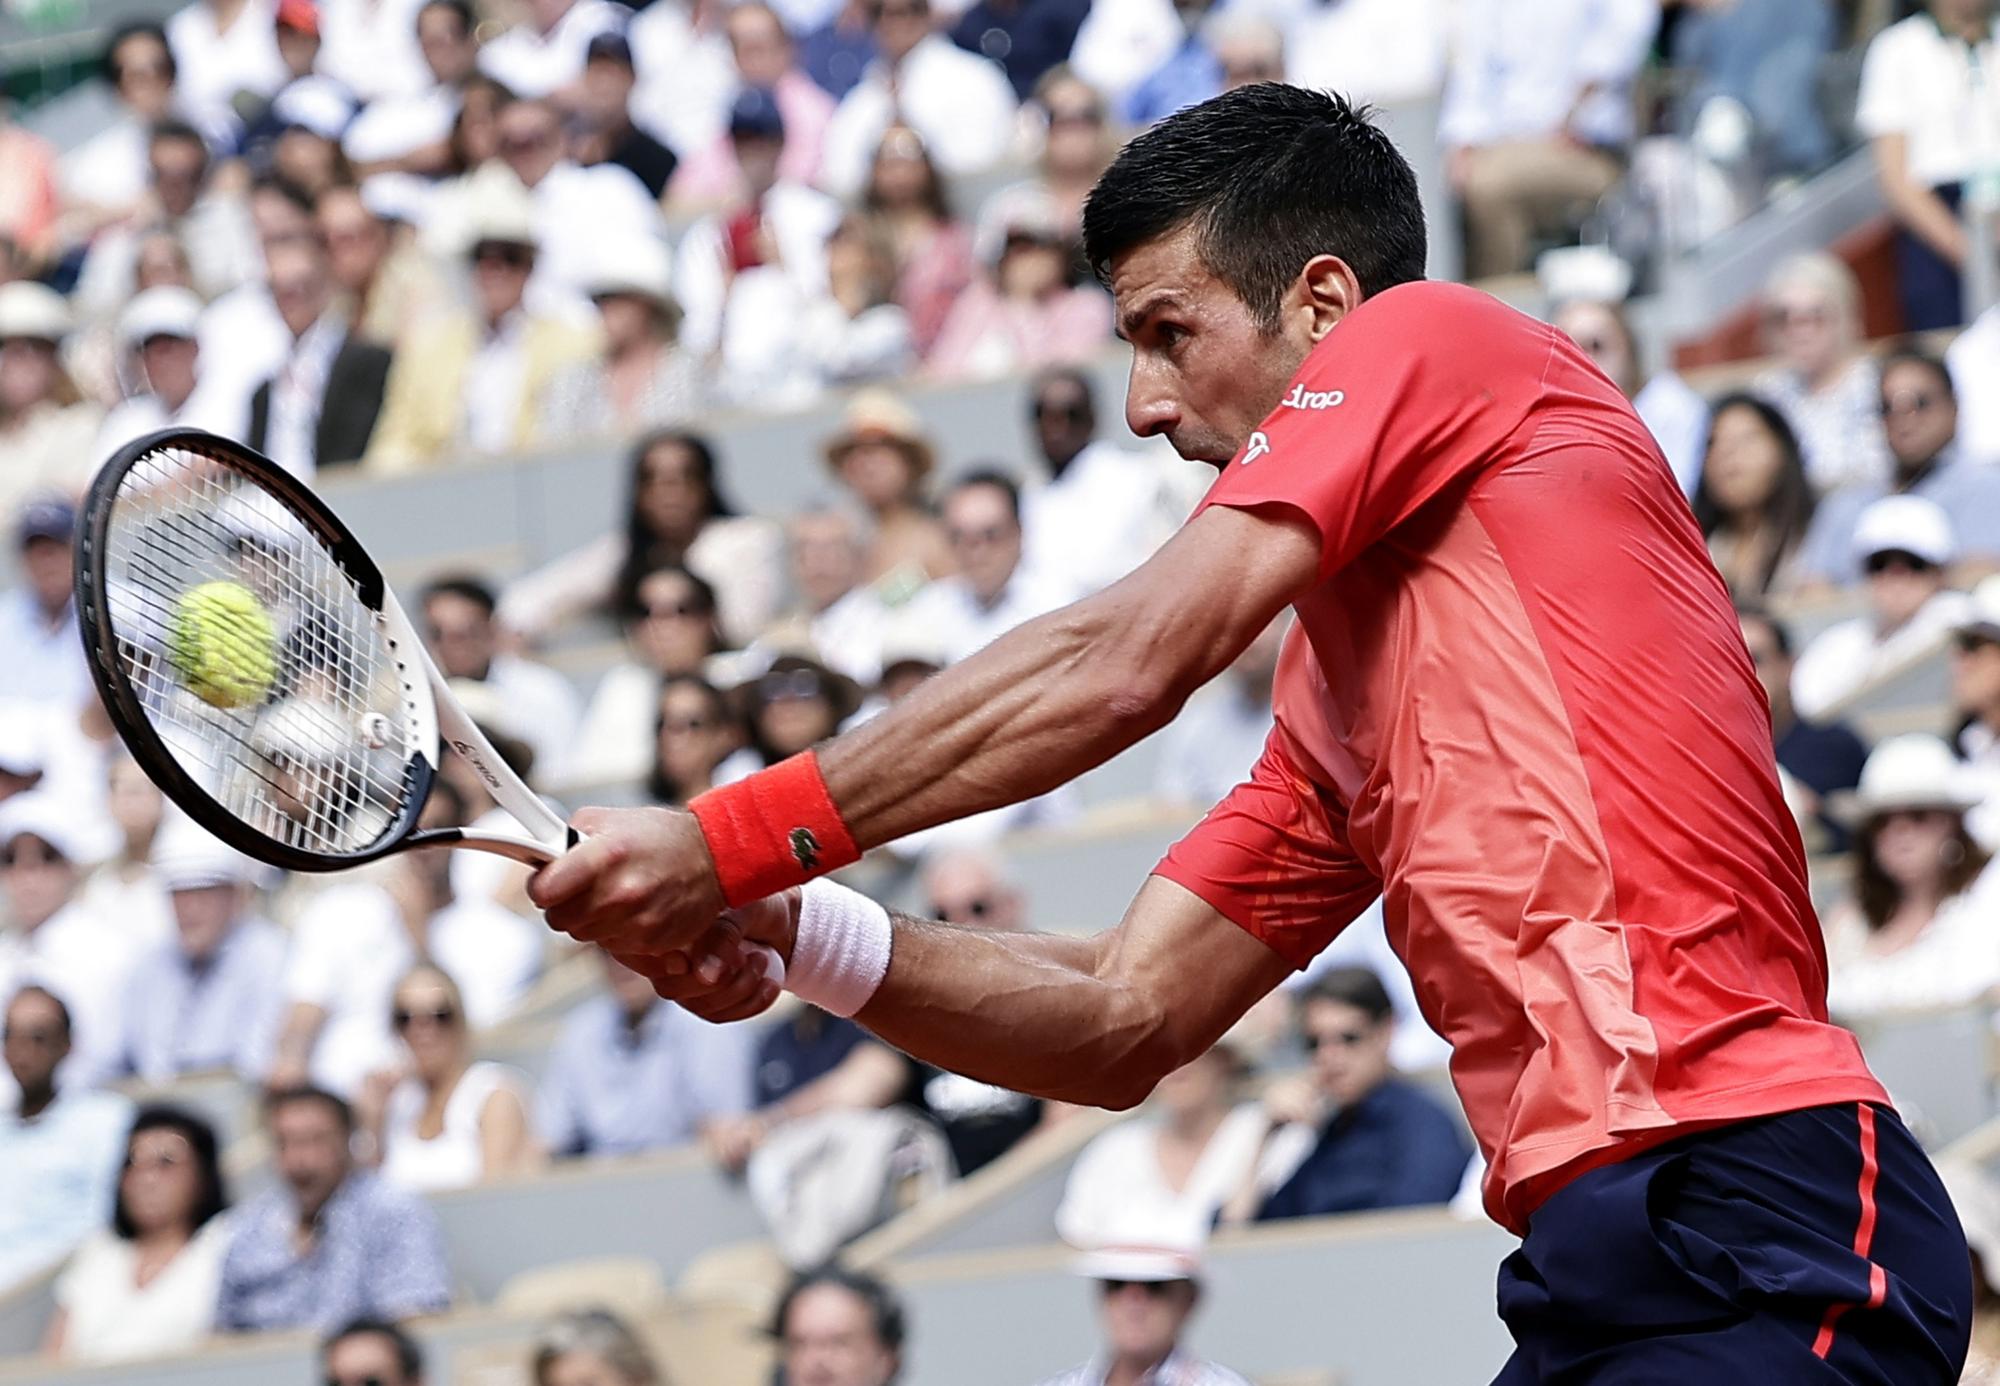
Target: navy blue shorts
[{"x": 1815, "y": 1246}]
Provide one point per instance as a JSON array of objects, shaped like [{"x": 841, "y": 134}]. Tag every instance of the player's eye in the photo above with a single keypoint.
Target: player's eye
[{"x": 1169, "y": 335}]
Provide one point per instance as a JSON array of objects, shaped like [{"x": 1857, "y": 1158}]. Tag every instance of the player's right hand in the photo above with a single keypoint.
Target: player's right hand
[
  {"x": 640, "y": 882},
  {"x": 717, "y": 977}
]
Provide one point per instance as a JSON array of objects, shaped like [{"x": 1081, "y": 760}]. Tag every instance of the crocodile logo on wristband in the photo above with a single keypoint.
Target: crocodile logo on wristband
[{"x": 805, "y": 849}]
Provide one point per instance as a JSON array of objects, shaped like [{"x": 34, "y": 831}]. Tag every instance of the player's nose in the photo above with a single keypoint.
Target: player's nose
[{"x": 1151, "y": 406}]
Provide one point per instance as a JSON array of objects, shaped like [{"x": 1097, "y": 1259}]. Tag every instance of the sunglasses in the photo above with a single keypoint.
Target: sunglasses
[
  {"x": 503, "y": 253},
  {"x": 332, "y": 1380},
  {"x": 442, "y": 1016},
  {"x": 30, "y": 856},
  {"x": 1918, "y": 403},
  {"x": 1894, "y": 560},
  {"x": 1346, "y": 1039},
  {"x": 976, "y": 908},
  {"x": 1972, "y": 642},
  {"x": 1069, "y": 413},
  {"x": 1077, "y": 115},
  {"x": 799, "y": 683},
  {"x": 1155, "y": 1289}
]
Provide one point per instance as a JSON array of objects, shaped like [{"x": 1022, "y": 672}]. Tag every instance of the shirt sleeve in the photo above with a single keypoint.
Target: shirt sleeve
[
  {"x": 1416, "y": 390},
  {"x": 1271, "y": 858},
  {"x": 1882, "y": 107}
]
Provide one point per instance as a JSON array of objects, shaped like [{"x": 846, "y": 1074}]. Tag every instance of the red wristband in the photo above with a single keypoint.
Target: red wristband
[{"x": 773, "y": 830}]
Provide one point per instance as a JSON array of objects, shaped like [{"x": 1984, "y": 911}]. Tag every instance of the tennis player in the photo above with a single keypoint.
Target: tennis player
[{"x": 1516, "y": 704}]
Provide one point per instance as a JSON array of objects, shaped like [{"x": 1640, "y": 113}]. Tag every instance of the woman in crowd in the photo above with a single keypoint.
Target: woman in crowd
[
  {"x": 1676, "y": 415},
  {"x": 475, "y": 132},
  {"x": 643, "y": 378},
  {"x": 676, "y": 514},
  {"x": 452, "y": 1121},
  {"x": 671, "y": 637},
  {"x": 1029, "y": 311},
  {"x": 1917, "y": 928},
  {"x": 795, "y": 706},
  {"x": 46, "y": 427},
  {"x": 697, "y": 734},
  {"x": 123, "y": 888},
  {"x": 1825, "y": 382},
  {"x": 1754, "y": 502},
  {"x": 148, "y": 1285},
  {"x": 593, "y": 1348},
  {"x": 933, "y": 248},
  {"x": 856, "y": 332},
  {"x": 882, "y": 458},
  {"x": 1077, "y": 147},
  {"x": 1175, "y": 1169}
]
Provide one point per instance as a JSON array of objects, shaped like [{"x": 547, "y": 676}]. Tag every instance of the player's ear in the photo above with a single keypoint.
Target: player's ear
[{"x": 1328, "y": 290}]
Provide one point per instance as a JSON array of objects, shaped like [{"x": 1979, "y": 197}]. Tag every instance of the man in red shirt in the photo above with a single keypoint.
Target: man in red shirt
[{"x": 1517, "y": 705}]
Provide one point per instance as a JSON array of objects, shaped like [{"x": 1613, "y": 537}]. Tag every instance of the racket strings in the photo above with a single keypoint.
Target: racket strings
[{"x": 318, "y": 761}]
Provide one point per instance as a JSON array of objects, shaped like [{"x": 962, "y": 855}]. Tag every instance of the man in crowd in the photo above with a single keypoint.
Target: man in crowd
[
  {"x": 210, "y": 998},
  {"x": 44, "y": 654},
  {"x": 465, "y": 640},
  {"x": 630, "y": 1073},
  {"x": 60, "y": 1145},
  {"x": 210, "y": 223},
  {"x": 764, "y": 57},
  {"x": 993, "y": 591},
  {"x": 161, "y": 329},
  {"x": 842, "y": 620},
  {"x": 332, "y": 1243},
  {"x": 390, "y": 285},
  {"x": 971, "y": 887},
  {"x": 321, "y": 406},
  {"x": 1213, "y": 743},
  {"x": 839, "y": 1328},
  {"x": 1146, "y": 1295},
  {"x": 372, "y": 1352},
  {"x": 104, "y": 179},
  {"x": 606, "y": 134},
  {"x": 410, "y": 132},
  {"x": 1820, "y": 757}
]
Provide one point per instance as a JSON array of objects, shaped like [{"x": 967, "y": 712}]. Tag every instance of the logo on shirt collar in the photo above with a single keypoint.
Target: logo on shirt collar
[
  {"x": 1302, "y": 398},
  {"x": 1260, "y": 443}
]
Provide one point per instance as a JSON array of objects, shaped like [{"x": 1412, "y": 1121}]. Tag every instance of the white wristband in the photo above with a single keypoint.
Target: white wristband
[{"x": 841, "y": 952}]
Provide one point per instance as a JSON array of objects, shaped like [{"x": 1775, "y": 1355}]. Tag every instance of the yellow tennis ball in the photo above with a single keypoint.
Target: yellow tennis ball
[{"x": 224, "y": 645}]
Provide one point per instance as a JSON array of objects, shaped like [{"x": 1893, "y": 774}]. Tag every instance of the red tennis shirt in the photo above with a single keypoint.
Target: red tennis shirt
[{"x": 1518, "y": 706}]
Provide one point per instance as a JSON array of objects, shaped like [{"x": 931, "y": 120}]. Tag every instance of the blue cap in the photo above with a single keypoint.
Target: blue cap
[
  {"x": 48, "y": 518},
  {"x": 755, "y": 114}
]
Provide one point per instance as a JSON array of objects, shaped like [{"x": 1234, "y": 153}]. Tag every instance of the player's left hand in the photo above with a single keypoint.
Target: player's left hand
[
  {"x": 639, "y": 883},
  {"x": 719, "y": 978}
]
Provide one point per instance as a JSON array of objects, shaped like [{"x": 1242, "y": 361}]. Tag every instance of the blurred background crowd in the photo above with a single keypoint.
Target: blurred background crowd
[{"x": 410, "y": 244}]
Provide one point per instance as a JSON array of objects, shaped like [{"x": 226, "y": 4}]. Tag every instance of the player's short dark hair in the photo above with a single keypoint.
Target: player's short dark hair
[
  {"x": 305, "y": 1092},
  {"x": 1267, "y": 176},
  {"x": 210, "y": 1198},
  {"x": 1781, "y": 634},
  {"x": 62, "y": 1007},
  {"x": 885, "y": 1311},
  {"x": 465, "y": 586},
  {"x": 124, "y": 34},
  {"x": 467, "y": 21},
  {"x": 996, "y": 479},
  {"x": 1358, "y": 987},
  {"x": 1910, "y": 353},
  {"x": 409, "y": 1356}
]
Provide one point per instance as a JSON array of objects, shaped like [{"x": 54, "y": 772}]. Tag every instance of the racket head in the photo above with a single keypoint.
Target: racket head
[{"x": 330, "y": 765}]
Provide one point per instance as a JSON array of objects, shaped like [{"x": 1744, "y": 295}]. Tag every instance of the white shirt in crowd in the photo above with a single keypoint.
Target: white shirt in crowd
[
  {"x": 453, "y": 1158},
  {"x": 243, "y": 342},
  {"x": 849, "y": 634},
  {"x": 1517, "y": 70},
  {"x": 542, "y": 708},
  {"x": 1677, "y": 416},
  {"x": 496, "y": 374},
  {"x": 1846, "y": 658},
  {"x": 686, "y": 79},
  {"x": 1368, "y": 50},
  {"x": 1105, "y": 514},
  {"x": 110, "y": 1317},
  {"x": 85, "y": 961},
  {"x": 1951, "y": 963},
  {"x": 798, "y": 218},
  {"x": 959, "y": 103},
  {"x": 60, "y": 1171},
  {"x": 44, "y": 662},
  {"x": 1974, "y": 361},
  {"x": 580, "y": 211},
  {"x": 1980, "y": 748},
  {"x": 1210, "y": 748},
  {"x": 110, "y": 168},
  {"x": 212, "y": 67},
  {"x": 530, "y": 63},
  {"x": 1117, "y": 1181},
  {"x": 1939, "y": 93},
  {"x": 371, "y": 48},
  {"x": 1123, "y": 42},
  {"x": 965, "y": 624},
  {"x": 298, "y": 391}
]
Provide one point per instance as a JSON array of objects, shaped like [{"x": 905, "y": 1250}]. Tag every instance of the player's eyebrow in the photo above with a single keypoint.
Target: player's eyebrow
[{"x": 1135, "y": 318}]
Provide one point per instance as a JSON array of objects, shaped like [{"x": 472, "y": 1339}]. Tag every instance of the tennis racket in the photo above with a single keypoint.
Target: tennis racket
[{"x": 251, "y": 655}]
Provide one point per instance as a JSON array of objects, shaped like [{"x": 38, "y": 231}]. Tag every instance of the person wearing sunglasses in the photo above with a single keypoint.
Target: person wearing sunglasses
[
  {"x": 451, "y": 1120},
  {"x": 1975, "y": 695},
  {"x": 1824, "y": 382},
  {"x": 147, "y": 1285},
  {"x": 372, "y": 1352},
  {"x": 1029, "y": 308},
  {"x": 1146, "y": 1293},
  {"x": 1904, "y": 547},
  {"x": 994, "y": 590},
  {"x": 1918, "y": 409}
]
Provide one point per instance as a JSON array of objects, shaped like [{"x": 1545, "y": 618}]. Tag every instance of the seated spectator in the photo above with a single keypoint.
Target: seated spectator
[
  {"x": 677, "y": 514},
  {"x": 464, "y": 638},
  {"x": 838, "y": 1327},
  {"x": 961, "y": 105},
  {"x": 56, "y": 941},
  {"x": 46, "y": 426},
  {"x": 764, "y": 56},
  {"x": 209, "y": 999},
  {"x": 992, "y": 592},
  {"x": 1753, "y": 502},
  {"x": 451, "y": 1120},
  {"x": 1903, "y": 544},
  {"x": 412, "y": 131},
  {"x": 59, "y": 1144},
  {"x": 593, "y": 1347},
  {"x": 320, "y": 409},
  {"x": 1175, "y": 1167},
  {"x": 1821, "y": 758},
  {"x": 643, "y": 378},
  {"x": 38, "y": 628},
  {"x": 1352, "y": 1134},
  {"x": 1028, "y": 311},
  {"x": 471, "y": 382},
  {"x": 855, "y": 332},
  {"x": 1921, "y": 413},
  {"x": 805, "y": 1063},
  {"x": 1975, "y": 696},
  {"x": 630, "y": 1073},
  {"x": 1537, "y": 106},
  {"x": 547, "y": 50},
  {"x": 1767, "y": 58},
  {"x": 1917, "y": 931},
  {"x": 933, "y": 248},
  {"x": 1383, "y": 51},
  {"x": 1209, "y": 749},
  {"x": 794, "y": 706},
  {"x": 1077, "y": 145},
  {"x": 884, "y": 458},
  {"x": 390, "y": 285},
  {"x": 1677, "y": 416},
  {"x": 147, "y": 1286},
  {"x": 1825, "y": 382},
  {"x": 124, "y": 888},
  {"x": 699, "y": 737},
  {"x": 1220, "y": 48},
  {"x": 207, "y": 218},
  {"x": 1124, "y": 43},
  {"x": 1102, "y": 509},
  {"x": 1028, "y": 38},
  {"x": 332, "y": 1242},
  {"x": 160, "y": 329},
  {"x": 103, "y": 180},
  {"x": 372, "y": 1352},
  {"x": 1925, "y": 146},
  {"x": 672, "y": 638},
  {"x": 840, "y": 619},
  {"x": 601, "y": 130},
  {"x": 244, "y": 340},
  {"x": 1146, "y": 1294},
  {"x": 225, "y": 51}
]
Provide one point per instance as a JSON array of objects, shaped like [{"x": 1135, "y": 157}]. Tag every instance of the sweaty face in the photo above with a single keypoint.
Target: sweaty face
[{"x": 1204, "y": 371}]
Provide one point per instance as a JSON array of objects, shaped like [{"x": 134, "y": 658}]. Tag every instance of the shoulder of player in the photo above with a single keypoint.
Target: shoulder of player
[{"x": 1426, "y": 323}]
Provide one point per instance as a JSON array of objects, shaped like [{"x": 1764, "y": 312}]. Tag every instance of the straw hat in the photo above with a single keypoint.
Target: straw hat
[{"x": 874, "y": 416}]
